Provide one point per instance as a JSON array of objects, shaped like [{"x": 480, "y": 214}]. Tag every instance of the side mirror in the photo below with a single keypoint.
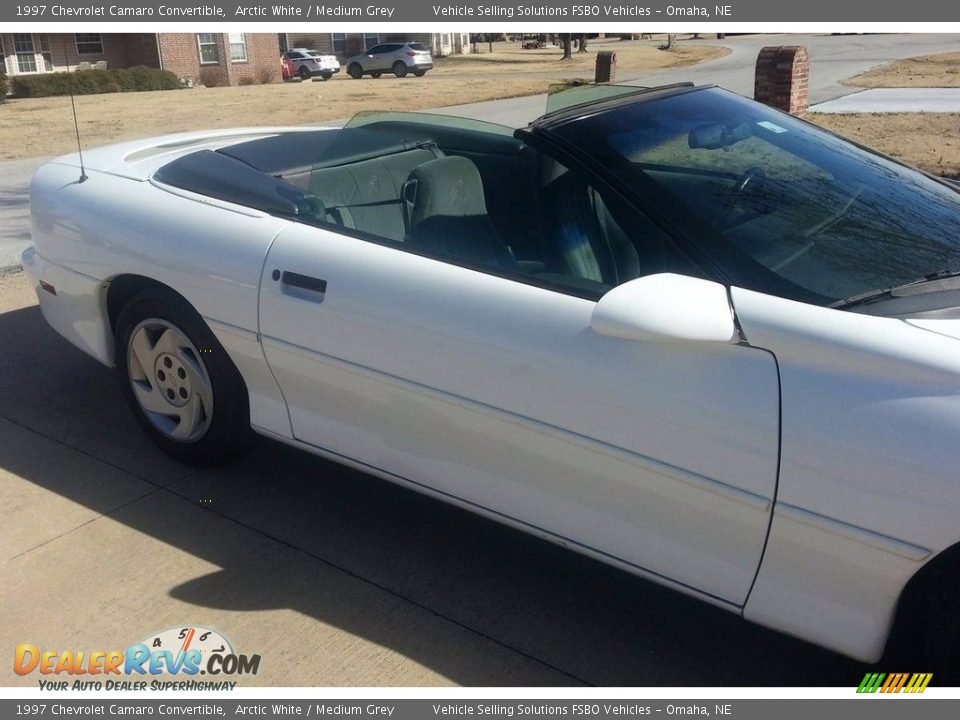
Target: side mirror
[{"x": 666, "y": 307}]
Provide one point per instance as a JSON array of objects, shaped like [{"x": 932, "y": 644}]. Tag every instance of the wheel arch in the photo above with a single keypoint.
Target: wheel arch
[
  {"x": 907, "y": 632},
  {"x": 121, "y": 288}
]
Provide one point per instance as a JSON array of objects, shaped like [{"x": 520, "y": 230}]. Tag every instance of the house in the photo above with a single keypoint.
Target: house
[
  {"x": 203, "y": 58},
  {"x": 344, "y": 45}
]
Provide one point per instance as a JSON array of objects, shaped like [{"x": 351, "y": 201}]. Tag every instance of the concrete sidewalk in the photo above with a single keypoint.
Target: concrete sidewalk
[{"x": 894, "y": 100}]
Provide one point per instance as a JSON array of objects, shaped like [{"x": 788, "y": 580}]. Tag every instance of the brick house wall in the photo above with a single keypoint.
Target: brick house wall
[
  {"x": 177, "y": 52},
  {"x": 56, "y": 52},
  {"x": 180, "y": 54}
]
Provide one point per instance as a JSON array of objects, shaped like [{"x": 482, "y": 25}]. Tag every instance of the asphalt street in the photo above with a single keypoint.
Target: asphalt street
[{"x": 334, "y": 577}]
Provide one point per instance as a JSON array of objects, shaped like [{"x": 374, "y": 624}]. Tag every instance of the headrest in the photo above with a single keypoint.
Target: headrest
[{"x": 446, "y": 187}]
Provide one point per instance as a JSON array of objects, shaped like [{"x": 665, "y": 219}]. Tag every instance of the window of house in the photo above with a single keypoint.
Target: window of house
[
  {"x": 89, "y": 43},
  {"x": 238, "y": 47},
  {"x": 209, "y": 51},
  {"x": 43, "y": 45},
  {"x": 339, "y": 41},
  {"x": 26, "y": 55}
]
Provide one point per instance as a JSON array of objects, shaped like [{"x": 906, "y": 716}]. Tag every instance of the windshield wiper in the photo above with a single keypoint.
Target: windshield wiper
[{"x": 884, "y": 293}]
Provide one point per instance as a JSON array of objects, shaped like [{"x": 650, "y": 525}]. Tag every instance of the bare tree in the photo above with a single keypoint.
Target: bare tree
[
  {"x": 671, "y": 41},
  {"x": 567, "y": 40},
  {"x": 583, "y": 43}
]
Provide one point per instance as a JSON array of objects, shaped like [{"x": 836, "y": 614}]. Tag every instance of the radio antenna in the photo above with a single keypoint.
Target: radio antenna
[{"x": 73, "y": 106}]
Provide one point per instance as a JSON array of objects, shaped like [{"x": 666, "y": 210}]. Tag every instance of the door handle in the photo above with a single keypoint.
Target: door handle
[{"x": 304, "y": 287}]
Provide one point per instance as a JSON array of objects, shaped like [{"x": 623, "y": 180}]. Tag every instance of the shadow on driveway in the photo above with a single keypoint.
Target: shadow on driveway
[{"x": 289, "y": 530}]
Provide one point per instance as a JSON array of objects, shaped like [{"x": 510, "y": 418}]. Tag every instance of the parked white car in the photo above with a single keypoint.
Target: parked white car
[
  {"x": 306, "y": 63},
  {"x": 397, "y": 58},
  {"x": 674, "y": 330}
]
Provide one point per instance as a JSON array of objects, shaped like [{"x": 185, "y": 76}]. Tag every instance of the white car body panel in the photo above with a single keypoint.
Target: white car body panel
[
  {"x": 425, "y": 369},
  {"x": 868, "y": 475},
  {"x": 400, "y": 371}
]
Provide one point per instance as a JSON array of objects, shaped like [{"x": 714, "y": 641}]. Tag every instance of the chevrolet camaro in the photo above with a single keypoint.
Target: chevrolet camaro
[{"x": 670, "y": 328}]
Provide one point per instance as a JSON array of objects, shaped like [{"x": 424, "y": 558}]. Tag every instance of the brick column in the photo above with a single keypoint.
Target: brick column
[{"x": 781, "y": 78}]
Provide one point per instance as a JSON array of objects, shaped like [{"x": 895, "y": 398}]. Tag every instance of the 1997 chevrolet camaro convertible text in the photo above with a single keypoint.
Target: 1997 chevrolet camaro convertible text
[{"x": 670, "y": 328}]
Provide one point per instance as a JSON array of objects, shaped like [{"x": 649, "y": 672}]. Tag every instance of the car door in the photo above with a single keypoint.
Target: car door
[
  {"x": 661, "y": 456},
  {"x": 376, "y": 58}
]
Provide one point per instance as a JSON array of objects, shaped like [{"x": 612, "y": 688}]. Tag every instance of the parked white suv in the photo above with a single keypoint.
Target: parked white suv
[
  {"x": 308, "y": 63},
  {"x": 398, "y": 58}
]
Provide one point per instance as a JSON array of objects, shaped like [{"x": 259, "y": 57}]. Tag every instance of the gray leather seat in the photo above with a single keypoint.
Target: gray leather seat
[
  {"x": 447, "y": 214},
  {"x": 365, "y": 195},
  {"x": 586, "y": 239}
]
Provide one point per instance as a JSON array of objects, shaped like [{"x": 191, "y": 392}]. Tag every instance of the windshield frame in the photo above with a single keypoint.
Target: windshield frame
[{"x": 716, "y": 253}]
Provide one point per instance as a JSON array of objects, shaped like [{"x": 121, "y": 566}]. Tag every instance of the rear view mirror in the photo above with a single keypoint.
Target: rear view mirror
[
  {"x": 666, "y": 307},
  {"x": 712, "y": 136}
]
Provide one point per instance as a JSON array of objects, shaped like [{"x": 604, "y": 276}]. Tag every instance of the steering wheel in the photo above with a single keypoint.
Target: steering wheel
[{"x": 748, "y": 180}]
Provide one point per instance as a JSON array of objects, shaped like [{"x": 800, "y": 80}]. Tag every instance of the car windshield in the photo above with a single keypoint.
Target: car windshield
[
  {"x": 418, "y": 46},
  {"x": 780, "y": 205}
]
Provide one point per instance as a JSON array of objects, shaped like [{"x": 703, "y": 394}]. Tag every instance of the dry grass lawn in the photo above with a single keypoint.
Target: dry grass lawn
[
  {"x": 44, "y": 126},
  {"x": 930, "y": 141},
  {"x": 941, "y": 70}
]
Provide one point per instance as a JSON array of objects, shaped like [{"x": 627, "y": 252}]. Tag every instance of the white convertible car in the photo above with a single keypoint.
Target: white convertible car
[{"x": 669, "y": 328}]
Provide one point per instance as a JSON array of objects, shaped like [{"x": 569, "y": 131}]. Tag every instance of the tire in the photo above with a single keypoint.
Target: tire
[
  {"x": 303, "y": 73},
  {"x": 941, "y": 645},
  {"x": 399, "y": 69},
  {"x": 355, "y": 71},
  {"x": 419, "y": 73},
  {"x": 183, "y": 388},
  {"x": 326, "y": 76},
  {"x": 376, "y": 75}
]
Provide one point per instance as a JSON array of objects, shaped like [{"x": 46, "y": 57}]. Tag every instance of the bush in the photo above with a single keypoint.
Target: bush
[
  {"x": 92, "y": 82},
  {"x": 247, "y": 80},
  {"x": 4, "y": 86},
  {"x": 266, "y": 75},
  {"x": 211, "y": 77}
]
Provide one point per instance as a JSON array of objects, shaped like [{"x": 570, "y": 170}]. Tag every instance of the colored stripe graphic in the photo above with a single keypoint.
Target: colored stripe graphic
[{"x": 894, "y": 682}]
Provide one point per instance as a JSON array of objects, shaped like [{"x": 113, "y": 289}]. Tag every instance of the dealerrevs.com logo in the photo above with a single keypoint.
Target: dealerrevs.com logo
[{"x": 187, "y": 652}]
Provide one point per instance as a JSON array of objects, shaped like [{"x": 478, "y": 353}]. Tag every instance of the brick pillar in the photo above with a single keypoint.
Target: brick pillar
[
  {"x": 606, "y": 67},
  {"x": 781, "y": 78}
]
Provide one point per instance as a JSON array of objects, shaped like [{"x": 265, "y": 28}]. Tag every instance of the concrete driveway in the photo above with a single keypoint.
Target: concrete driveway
[{"x": 334, "y": 577}]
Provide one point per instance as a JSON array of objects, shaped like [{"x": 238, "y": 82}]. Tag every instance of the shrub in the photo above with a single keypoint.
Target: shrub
[
  {"x": 211, "y": 77},
  {"x": 91, "y": 82},
  {"x": 247, "y": 80},
  {"x": 266, "y": 75},
  {"x": 4, "y": 86}
]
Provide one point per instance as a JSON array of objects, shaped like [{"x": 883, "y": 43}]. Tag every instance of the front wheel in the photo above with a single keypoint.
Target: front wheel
[
  {"x": 399, "y": 69},
  {"x": 419, "y": 73},
  {"x": 303, "y": 73},
  {"x": 355, "y": 71},
  {"x": 326, "y": 76},
  {"x": 182, "y": 386}
]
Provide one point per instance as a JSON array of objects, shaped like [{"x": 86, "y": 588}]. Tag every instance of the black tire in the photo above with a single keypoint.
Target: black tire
[
  {"x": 419, "y": 73},
  {"x": 303, "y": 72},
  {"x": 326, "y": 76},
  {"x": 399, "y": 69},
  {"x": 376, "y": 75},
  {"x": 941, "y": 643},
  {"x": 227, "y": 425},
  {"x": 355, "y": 71}
]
